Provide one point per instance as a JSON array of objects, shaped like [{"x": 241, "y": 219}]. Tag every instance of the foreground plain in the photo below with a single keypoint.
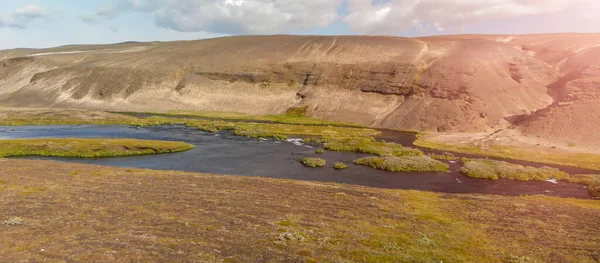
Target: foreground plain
[{"x": 58, "y": 212}]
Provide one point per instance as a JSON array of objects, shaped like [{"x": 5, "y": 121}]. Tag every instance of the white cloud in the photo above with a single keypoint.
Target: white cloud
[
  {"x": 22, "y": 17},
  {"x": 229, "y": 16},
  {"x": 366, "y": 17},
  {"x": 285, "y": 16}
]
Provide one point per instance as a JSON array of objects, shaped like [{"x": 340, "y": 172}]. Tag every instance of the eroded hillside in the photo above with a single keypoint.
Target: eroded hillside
[{"x": 463, "y": 83}]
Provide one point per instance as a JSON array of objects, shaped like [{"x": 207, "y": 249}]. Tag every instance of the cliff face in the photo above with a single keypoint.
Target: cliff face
[{"x": 457, "y": 83}]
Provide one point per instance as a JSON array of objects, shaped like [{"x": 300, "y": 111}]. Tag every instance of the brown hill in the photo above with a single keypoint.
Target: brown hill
[{"x": 464, "y": 83}]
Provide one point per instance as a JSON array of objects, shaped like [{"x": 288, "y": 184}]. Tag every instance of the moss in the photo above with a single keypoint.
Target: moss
[
  {"x": 259, "y": 134},
  {"x": 319, "y": 151},
  {"x": 293, "y": 118},
  {"x": 404, "y": 164},
  {"x": 259, "y": 130},
  {"x": 444, "y": 156},
  {"x": 340, "y": 166},
  {"x": 494, "y": 170},
  {"x": 371, "y": 146},
  {"x": 287, "y": 129},
  {"x": 87, "y": 148},
  {"x": 313, "y": 162}
]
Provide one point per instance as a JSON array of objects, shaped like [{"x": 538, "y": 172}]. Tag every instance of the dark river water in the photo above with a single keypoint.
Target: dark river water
[{"x": 224, "y": 153}]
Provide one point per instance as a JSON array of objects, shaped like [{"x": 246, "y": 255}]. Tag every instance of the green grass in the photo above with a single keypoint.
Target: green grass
[
  {"x": 313, "y": 162},
  {"x": 88, "y": 148},
  {"x": 591, "y": 180},
  {"x": 404, "y": 164},
  {"x": 494, "y": 170},
  {"x": 275, "y": 130},
  {"x": 295, "y": 116},
  {"x": 340, "y": 166},
  {"x": 259, "y": 130},
  {"x": 319, "y": 151},
  {"x": 52, "y": 120},
  {"x": 582, "y": 160},
  {"x": 444, "y": 156},
  {"x": 371, "y": 146}
]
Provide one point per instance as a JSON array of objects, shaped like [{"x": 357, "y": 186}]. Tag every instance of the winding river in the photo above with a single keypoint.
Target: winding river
[{"x": 224, "y": 153}]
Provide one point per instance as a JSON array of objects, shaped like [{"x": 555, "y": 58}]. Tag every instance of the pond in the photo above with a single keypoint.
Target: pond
[{"x": 224, "y": 153}]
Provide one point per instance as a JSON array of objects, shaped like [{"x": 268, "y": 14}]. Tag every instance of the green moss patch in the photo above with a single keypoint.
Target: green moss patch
[
  {"x": 371, "y": 146},
  {"x": 88, "y": 148},
  {"x": 404, "y": 164},
  {"x": 340, "y": 166},
  {"x": 313, "y": 162},
  {"x": 494, "y": 170}
]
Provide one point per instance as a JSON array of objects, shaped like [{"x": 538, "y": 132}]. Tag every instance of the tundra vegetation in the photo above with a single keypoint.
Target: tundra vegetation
[
  {"x": 371, "y": 146},
  {"x": 339, "y": 166},
  {"x": 296, "y": 116},
  {"x": 121, "y": 214},
  {"x": 404, "y": 163},
  {"x": 313, "y": 162},
  {"x": 444, "y": 156},
  {"x": 88, "y": 148},
  {"x": 492, "y": 169},
  {"x": 582, "y": 160},
  {"x": 260, "y": 130}
]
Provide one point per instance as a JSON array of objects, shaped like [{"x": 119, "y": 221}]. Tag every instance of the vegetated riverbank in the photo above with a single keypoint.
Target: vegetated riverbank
[
  {"x": 88, "y": 148},
  {"x": 249, "y": 129},
  {"x": 296, "y": 116},
  {"x": 337, "y": 137},
  {"x": 60, "y": 211},
  {"x": 494, "y": 170},
  {"x": 55, "y": 116},
  {"x": 580, "y": 160}
]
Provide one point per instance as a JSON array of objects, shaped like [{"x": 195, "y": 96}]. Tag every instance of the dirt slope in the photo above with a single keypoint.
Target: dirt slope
[{"x": 465, "y": 83}]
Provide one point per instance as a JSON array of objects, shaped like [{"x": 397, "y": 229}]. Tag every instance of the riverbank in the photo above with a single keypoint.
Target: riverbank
[
  {"x": 509, "y": 148},
  {"x": 275, "y": 127},
  {"x": 84, "y": 213}
]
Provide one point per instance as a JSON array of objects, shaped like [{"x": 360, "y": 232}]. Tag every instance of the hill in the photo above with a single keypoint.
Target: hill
[{"x": 543, "y": 85}]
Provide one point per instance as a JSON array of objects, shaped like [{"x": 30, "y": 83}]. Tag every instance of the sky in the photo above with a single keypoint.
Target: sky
[{"x": 49, "y": 23}]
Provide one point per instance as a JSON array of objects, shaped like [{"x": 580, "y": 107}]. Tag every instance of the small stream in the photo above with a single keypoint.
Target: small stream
[{"x": 224, "y": 153}]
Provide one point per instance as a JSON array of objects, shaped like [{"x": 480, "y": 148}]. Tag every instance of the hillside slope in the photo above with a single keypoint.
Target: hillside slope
[{"x": 465, "y": 83}]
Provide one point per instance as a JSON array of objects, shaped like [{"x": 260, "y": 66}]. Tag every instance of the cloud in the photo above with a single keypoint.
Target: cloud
[
  {"x": 229, "y": 16},
  {"x": 22, "y": 17},
  {"x": 288, "y": 16},
  {"x": 393, "y": 16}
]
